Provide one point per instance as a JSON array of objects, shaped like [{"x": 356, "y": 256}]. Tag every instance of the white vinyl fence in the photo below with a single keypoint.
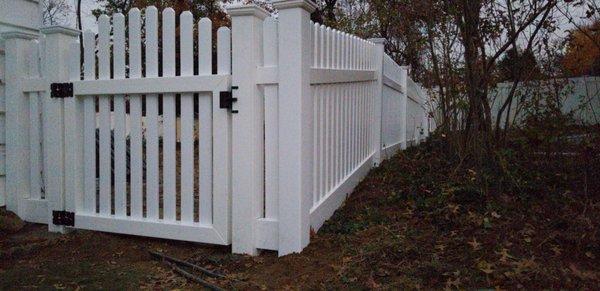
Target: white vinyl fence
[{"x": 252, "y": 149}]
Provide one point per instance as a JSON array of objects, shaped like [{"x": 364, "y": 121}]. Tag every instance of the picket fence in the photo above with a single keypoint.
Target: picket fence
[{"x": 252, "y": 149}]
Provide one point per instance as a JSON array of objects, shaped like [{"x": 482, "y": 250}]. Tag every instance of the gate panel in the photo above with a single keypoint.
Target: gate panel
[{"x": 156, "y": 146}]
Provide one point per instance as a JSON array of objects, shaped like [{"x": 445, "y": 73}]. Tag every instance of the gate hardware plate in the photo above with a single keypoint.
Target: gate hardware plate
[
  {"x": 63, "y": 218},
  {"x": 226, "y": 100},
  {"x": 61, "y": 90}
]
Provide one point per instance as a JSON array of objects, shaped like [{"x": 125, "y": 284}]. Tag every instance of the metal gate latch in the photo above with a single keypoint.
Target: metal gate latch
[
  {"x": 226, "y": 99},
  {"x": 63, "y": 218},
  {"x": 61, "y": 90}
]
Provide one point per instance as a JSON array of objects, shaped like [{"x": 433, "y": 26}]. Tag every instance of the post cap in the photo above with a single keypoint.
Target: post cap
[
  {"x": 18, "y": 35},
  {"x": 247, "y": 10},
  {"x": 307, "y": 5},
  {"x": 377, "y": 40},
  {"x": 60, "y": 29}
]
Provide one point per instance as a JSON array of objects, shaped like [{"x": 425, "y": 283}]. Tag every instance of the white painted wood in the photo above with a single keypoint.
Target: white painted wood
[
  {"x": 222, "y": 155},
  {"x": 336, "y": 125},
  {"x": 135, "y": 115},
  {"x": 378, "y": 57},
  {"x": 347, "y": 132},
  {"x": 151, "y": 132},
  {"x": 270, "y": 53},
  {"x": 183, "y": 84},
  {"x": 315, "y": 41},
  {"x": 169, "y": 118},
  {"x": 329, "y": 133},
  {"x": 120, "y": 157},
  {"x": 247, "y": 127},
  {"x": 187, "y": 120},
  {"x": 74, "y": 134},
  {"x": 205, "y": 125},
  {"x": 295, "y": 125},
  {"x": 35, "y": 150},
  {"x": 55, "y": 68},
  {"x": 104, "y": 116},
  {"x": 343, "y": 103},
  {"x": 323, "y": 211},
  {"x": 316, "y": 144},
  {"x": 205, "y": 47},
  {"x": 403, "y": 103},
  {"x": 267, "y": 234},
  {"x": 322, "y": 46},
  {"x": 89, "y": 111},
  {"x": 194, "y": 232},
  {"x": 329, "y": 76}
]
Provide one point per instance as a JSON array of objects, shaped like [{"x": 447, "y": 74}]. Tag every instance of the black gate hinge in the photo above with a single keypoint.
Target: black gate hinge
[
  {"x": 61, "y": 90},
  {"x": 226, "y": 100},
  {"x": 63, "y": 218}
]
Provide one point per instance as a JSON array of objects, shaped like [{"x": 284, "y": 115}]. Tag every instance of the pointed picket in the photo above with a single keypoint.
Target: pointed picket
[
  {"x": 205, "y": 124},
  {"x": 135, "y": 113},
  {"x": 120, "y": 135},
  {"x": 169, "y": 118},
  {"x": 152, "y": 173},
  {"x": 186, "y": 45}
]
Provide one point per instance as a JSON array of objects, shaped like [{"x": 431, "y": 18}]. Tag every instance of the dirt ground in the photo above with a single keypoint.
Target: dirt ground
[{"x": 414, "y": 223}]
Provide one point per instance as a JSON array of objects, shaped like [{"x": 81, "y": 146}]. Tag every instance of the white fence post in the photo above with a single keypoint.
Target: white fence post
[
  {"x": 56, "y": 63},
  {"x": 17, "y": 45},
  {"x": 247, "y": 130},
  {"x": 403, "y": 111},
  {"x": 378, "y": 54},
  {"x": 295, "y": 124},
  {"x": 74, "y": 138}
]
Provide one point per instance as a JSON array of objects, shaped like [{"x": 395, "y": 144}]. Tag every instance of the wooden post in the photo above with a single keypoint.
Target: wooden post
[
  {"x": 295, "y": 124},
  {"x": 17, "y": 51},
  {"x": 247, "y": 126},
  {"x": 56, "y": 63},
  {"x": 378, "y": 55}
]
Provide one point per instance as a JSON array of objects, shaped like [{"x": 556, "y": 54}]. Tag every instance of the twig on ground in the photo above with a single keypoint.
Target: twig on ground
[
  {"x": 187, "y": 264},
  {"x": 192, "y": 277}
]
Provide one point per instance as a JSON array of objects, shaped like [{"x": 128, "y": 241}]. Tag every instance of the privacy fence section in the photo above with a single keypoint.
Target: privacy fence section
[{"x": 152, "y": 135}]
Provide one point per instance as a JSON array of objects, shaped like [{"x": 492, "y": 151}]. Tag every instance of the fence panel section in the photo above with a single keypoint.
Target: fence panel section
[
  {"x": 393, "y": 99},
  {"x": 149, "y": 132},
  {"x": 343, "y": 89},
  {"x": 415, "y": 113}
]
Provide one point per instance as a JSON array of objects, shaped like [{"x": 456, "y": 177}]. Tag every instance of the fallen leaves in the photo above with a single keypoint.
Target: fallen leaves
[
  {"x": 584, "y": 275},
  {"x": 474, "y": 244},
  {"x": 485, "y": 267}
]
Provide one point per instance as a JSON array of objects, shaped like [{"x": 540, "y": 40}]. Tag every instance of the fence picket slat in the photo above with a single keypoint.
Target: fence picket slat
[
  {"x": 205, "y": 124},
  {"x": 187, "y": 120},
  {"x": 135, "y": 116},
  {"x": 120, "y": 135},
  {"x": 104, "y": 115},
  {"x": 169, "y": 119},
  {"x": 221, "y": 139},
  {"x": 152, "y": 169},
  {"x": 322, "y": 47},
  {"x": 89, "y": 108},
  {"x": 317, "y": 144}
]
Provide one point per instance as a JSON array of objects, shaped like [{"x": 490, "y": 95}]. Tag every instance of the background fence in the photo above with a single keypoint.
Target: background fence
[{"x": 311, "y": 111}]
